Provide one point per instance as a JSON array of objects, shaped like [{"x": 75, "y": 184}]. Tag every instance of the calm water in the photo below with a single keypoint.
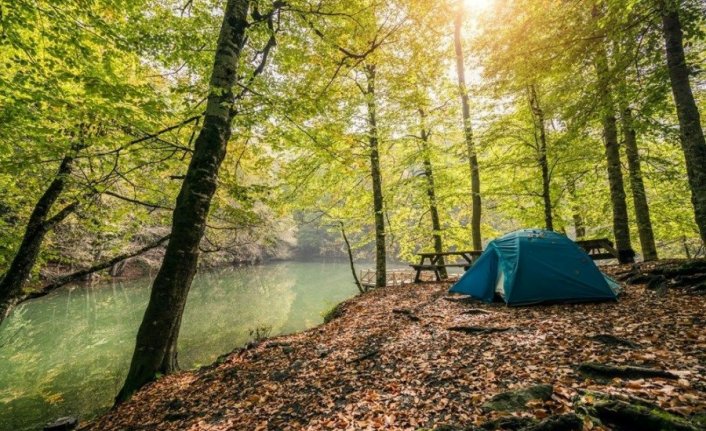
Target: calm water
[{"x": 67, "y": 353}]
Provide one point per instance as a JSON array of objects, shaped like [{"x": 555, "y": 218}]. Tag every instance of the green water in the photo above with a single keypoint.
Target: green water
[{"x": 67, "y": 353}]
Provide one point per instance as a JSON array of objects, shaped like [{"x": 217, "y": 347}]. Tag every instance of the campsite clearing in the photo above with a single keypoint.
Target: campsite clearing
[
  {"x": 374, "y": 367},
  {"x": 533, "y": 266}
]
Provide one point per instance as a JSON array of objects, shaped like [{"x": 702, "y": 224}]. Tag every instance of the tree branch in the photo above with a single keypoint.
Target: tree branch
[
  {"x": 61, "y": 215},
  {"x": 63, "y": 280}
]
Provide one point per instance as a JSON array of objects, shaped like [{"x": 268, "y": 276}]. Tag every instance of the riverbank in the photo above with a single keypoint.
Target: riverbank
[
  {"x": 67, "y": 353},
  {"x": 389, "y": 360}
]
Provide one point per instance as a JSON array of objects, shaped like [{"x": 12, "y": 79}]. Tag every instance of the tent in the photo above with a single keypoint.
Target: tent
[{"x": 532, "y": 266}]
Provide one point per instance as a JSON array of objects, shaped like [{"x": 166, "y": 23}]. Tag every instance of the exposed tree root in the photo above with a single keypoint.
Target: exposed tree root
[
  {"x": 622, "y": 416},
  {"x": 612, "y": 340},
  {"x": 477, "y": 329},
  {"x": 607, "y": 372},
  {"x": 407, "y": 313},
  {"x": 662, "y": 275},
  {"x": 460, "y": 299},
  {"x": 476, "y": 311}
]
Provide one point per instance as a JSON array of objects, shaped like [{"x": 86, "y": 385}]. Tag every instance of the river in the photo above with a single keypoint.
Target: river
[{"x": 68, "y": 353}]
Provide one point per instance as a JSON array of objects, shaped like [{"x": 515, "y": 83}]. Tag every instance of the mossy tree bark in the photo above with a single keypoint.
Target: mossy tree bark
[
  {"x": 621, "y": 228},
  {"x": 376, "y": 176},
  {"x": 637, "y": 186},
  {"x": 155, "y": 349},
  {"x": 468, "y": 133},
  {"x": 542, "y": 161},
  {"x": 38, "y": 226},
  {"x": 431, "y": 192},
  {"x": 691, "y": 133}
]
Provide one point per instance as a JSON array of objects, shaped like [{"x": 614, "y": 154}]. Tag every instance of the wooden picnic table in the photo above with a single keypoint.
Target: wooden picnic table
[
  {"x": 435, "y": 262},
  {"x": 599, "y": 248}
]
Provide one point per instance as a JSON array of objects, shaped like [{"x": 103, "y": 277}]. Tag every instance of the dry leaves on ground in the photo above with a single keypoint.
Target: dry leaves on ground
[{"x": 377, "y": 368}]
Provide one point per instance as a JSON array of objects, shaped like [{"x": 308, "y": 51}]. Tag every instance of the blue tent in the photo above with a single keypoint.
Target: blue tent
[{"x": 532, "y": 266}]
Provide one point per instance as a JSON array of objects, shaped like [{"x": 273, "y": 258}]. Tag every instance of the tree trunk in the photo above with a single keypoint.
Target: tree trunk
[
  {"x": 468, "y": 133},
  {"x": 691, "y": 134},
  {"x": 687, "y": 252},
  {"x": 579, "y": 226},
  {"x": 155, "y": 349},
  {"x": 376, "y": 175},
  {"x": 431, "y": 193},
  {"x": 639, "y": 197},
  {"x": 37, "y": 227},
  {"x": 621, "y": 228},
  {"x": 538, "y": 117},
  {"x": 350, "y": 259}
]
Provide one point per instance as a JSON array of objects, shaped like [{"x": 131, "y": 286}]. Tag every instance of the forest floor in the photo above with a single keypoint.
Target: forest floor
[{"x": 390, "y": 361}]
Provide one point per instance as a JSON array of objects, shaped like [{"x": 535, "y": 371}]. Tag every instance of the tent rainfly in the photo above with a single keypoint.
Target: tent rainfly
[{"x": 533, "y": 266}]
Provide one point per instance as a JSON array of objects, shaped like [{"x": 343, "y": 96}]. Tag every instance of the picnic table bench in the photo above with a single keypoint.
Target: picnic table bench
[
  {"x": 599, "y": 248},
  {"x": 436, "y": 262}
]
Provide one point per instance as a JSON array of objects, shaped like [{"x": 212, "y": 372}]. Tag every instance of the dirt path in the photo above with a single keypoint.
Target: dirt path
[{"x": 390, "y": 362}]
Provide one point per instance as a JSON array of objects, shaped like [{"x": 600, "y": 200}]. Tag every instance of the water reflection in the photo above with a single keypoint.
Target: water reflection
[{"x": 67, "y": 353}]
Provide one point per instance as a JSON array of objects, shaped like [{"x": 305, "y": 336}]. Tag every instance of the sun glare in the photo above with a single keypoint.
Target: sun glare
[{"x": 477, "y": 5}]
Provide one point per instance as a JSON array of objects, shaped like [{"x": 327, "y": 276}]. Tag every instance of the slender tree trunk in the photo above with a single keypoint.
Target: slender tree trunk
[
  {"x": 621, "y": 228},
  {"x": 579, "y": 226},
  {"x": 687, "y": 252},
  {"x": 691, "y": 134},
  {"x": 376, "y": 175},
  {"x": 538, "y": 117},
  {"x": 468, "y": 133},
  {"x": 155, "y": 349},
  {"x": 637, "y": 186},
  {"x": 431, "y": 193},
  {"x": 37, "y": 227},
  {"x": 350, "y": 259}
]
